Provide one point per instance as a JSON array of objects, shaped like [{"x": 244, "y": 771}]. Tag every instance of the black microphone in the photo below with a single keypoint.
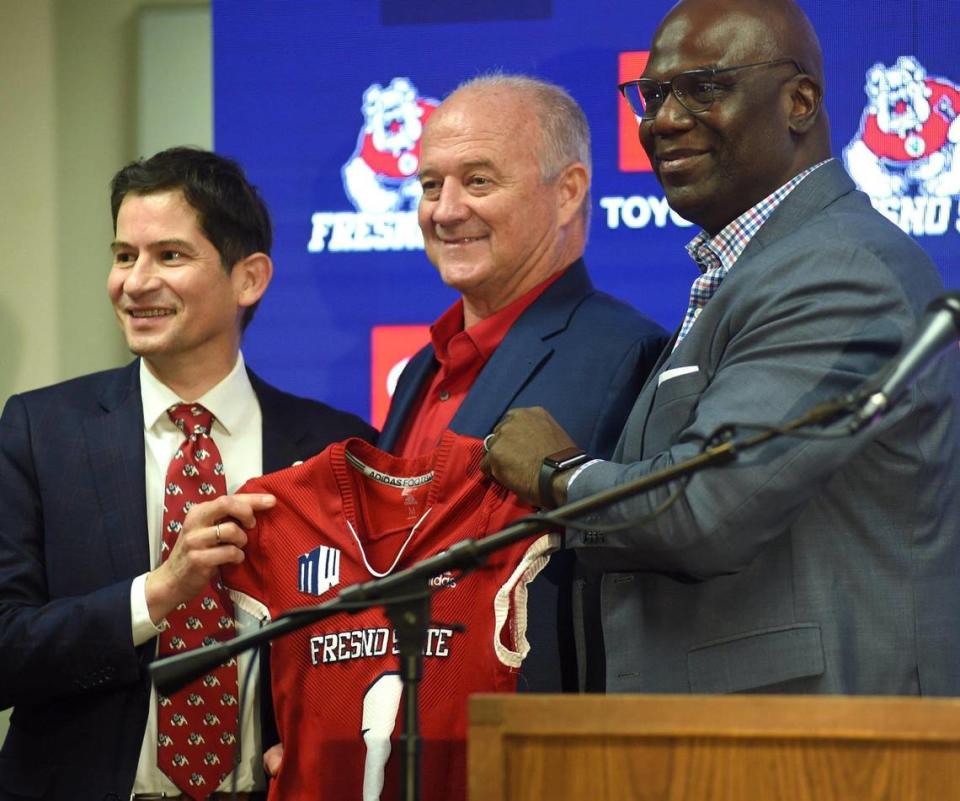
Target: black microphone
[{"x": 939, "y": 328}]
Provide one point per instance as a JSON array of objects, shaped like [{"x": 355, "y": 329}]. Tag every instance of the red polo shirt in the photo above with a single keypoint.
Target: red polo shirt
[{"x": 462, "y": 355}]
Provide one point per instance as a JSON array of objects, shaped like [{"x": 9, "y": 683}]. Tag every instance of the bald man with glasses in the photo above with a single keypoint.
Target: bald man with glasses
[{"x": 808, "y": 565}]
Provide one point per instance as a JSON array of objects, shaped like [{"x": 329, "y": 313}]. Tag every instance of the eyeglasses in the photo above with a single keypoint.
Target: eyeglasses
[{"x": 695, "y": 90}]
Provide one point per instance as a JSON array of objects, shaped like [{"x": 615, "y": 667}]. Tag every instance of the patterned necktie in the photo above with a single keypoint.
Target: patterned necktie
[{"x": 196, "y": 725}]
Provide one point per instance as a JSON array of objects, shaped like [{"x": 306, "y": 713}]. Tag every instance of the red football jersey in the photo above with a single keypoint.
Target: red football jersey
[{"x": 350, "y": 515}]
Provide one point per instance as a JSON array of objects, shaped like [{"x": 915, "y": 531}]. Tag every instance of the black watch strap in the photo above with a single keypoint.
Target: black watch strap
[{"x": 555, "y": 463}]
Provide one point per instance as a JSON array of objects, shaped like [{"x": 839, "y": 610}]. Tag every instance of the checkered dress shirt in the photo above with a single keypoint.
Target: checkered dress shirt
[{"x": 715, "y": 256}]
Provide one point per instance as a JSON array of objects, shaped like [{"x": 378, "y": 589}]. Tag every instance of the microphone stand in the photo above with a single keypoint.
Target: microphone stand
[
  {"x": 406, "y": 594},
  {"x": 411, "y": 620}
]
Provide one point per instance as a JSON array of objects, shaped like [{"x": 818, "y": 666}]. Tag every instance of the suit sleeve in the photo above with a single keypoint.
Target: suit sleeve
[
  {"x": 50, "y": 646},
  {"x": 833, "y": 318}
]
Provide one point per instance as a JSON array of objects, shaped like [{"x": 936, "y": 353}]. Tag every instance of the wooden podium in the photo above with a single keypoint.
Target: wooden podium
[{"x": 713, "y": 748}]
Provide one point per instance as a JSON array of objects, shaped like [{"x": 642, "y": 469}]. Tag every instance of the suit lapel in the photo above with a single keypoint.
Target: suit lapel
[
  {"x": 417, "y": 373},
  {"x": 507, "y": 372},
  {"x": 814, "y": 193},
  {"x": 665, "y": 354},
  {"x": 282, "y": 433},
  {"x": 279, "y": 443},
  {"x": 521, "y": 354},
  {"x": 636, "y": 425},
  {"x": 114, "y": 438}
]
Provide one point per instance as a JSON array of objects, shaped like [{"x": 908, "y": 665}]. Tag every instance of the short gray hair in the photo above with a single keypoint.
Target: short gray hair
[{"x": 564, "y": 130}]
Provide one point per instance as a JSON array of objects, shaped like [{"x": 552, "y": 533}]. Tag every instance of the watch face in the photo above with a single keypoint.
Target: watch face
[
  {"x": 566, "y": 457},
  {"x": 554, "y": 464}
]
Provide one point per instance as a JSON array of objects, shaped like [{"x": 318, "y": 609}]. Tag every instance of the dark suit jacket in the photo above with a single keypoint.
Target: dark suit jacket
[
  {"x": 807, "y": 565},
  {"x": 583, "y": 356},
  {"x": 73, "y": 535}
]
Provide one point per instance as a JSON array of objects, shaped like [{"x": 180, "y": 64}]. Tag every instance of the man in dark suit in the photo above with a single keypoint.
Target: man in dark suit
[
  {"x": 83, "y": 592},
  {"x": 505, "y": 169},
  {"x": 808, "y": 565}
]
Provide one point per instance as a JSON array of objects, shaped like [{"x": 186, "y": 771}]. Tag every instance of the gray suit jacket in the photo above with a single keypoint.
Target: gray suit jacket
[{"x": 806, "y": 565}]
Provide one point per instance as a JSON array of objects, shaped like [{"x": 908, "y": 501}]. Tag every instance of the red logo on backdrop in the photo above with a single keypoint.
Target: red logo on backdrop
[
  {"x": 391, "y": 347},
  {"x": 632, "y": 156}
]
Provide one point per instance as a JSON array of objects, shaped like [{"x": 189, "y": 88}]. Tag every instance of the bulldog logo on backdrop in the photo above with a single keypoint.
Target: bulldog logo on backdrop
[
  {"x": 905, "y": 154},
  {"x": 380, "y": 176}
]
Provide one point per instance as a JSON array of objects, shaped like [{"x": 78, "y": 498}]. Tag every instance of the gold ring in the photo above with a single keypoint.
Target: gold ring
[{"x": 217, "y": 531}]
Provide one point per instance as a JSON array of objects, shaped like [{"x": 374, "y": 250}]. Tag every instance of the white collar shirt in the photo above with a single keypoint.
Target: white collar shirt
[{"x": 238, "y": 432}]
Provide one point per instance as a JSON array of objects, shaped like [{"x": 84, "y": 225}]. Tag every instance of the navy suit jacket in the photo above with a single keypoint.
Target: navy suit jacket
[
  {"x": 583, "y": 356},
  {"x": 73, "y": 535}
]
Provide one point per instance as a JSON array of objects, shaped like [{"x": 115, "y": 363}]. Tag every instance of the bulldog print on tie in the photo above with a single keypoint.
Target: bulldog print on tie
[{"x": 196, "y": 725}]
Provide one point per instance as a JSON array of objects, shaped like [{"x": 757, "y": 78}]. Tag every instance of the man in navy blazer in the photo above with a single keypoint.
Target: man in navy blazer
[
  {"x": 191, "y": 261},
  {"x": 505, "y": 170},
  {"x": 810, "y": 564}
]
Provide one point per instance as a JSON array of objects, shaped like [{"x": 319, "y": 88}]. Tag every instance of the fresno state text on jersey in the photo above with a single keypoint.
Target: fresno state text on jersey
[{"x": 349, "y": 515}]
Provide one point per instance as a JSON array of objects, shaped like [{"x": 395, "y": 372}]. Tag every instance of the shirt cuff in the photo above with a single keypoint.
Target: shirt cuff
[
  {"x": 579, "y": 470},
  {"x": 142, "y": 625}
]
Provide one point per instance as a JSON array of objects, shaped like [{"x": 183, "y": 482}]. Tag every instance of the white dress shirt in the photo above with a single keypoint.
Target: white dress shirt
[{"x": 237, "y": 430}]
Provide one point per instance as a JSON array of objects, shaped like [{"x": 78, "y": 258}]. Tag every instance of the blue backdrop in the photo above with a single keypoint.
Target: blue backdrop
[{"x": 321, "y": 102}]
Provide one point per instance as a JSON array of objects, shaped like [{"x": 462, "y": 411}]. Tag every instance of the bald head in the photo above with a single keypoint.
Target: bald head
[
  {"x": 764, "y": 122},
  {"x": 761, "y": 29}
]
